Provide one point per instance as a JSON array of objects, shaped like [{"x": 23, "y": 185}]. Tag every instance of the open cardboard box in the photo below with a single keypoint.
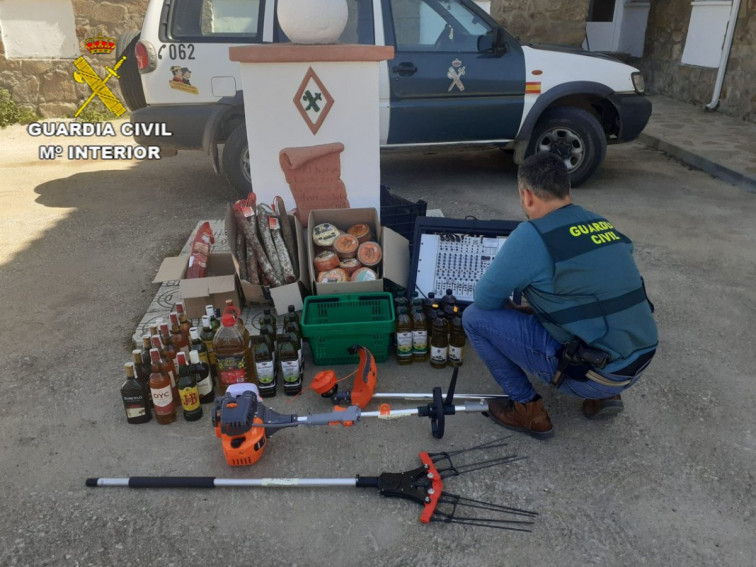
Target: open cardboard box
[
  {"x": 282, "y": 296},
  {"x": 393, "y": 267},
  {"x": 220, "y": 283}
]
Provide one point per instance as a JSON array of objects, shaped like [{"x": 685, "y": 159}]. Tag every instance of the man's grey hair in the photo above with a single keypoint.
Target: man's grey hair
[{"x": 545, "y": 175}]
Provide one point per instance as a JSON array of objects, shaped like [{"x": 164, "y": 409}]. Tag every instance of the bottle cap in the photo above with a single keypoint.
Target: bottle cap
[
  {"x": 194, "y": 357},
  {"x": 228, "y": 320},
  {"x": 136, "y": 351},
  {"x": 206, "y": 320},
  {"x": 174, "y": 319},
  {"x": 180, "y": 307},
  {"x": 154, "y": 354},
  {"x": 129, "y": 366},
  {"x": 181, "y": 358},
  {"x": 194, "y": 333}
]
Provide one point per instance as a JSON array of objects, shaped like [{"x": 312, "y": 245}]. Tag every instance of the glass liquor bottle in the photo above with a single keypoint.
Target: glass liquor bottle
[
  {"x": 188, "y": 391},
  {"x": 135, "y": 401},
  {"x": 205, "y": 384},
  {"x": 161, "y": 391}
]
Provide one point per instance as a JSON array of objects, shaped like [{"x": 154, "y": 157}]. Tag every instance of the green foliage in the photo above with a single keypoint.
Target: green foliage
[
  {"x": 95, "y": 112},
  {"x": 11, "y": 113}
]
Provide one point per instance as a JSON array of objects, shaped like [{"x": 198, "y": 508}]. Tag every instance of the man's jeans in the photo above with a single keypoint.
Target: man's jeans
[{"x": 511, "y": 343}]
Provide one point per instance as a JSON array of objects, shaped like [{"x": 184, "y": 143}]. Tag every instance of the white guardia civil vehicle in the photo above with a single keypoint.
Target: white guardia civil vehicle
[{"x": 457, "y": 78}]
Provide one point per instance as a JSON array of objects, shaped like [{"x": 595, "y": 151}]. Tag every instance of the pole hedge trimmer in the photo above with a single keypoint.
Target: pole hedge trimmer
[
  {"x": 243, "y": 422},
  {"x": 423, "y": 485}
]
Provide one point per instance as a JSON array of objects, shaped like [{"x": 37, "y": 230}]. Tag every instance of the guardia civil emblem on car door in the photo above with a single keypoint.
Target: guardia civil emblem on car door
[
  {"x": 313, "y": 101},
  {"x": 455, "y": 73}
]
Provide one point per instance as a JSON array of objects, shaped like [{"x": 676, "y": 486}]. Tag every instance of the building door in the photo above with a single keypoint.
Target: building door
[{"x": 617, "y": 26}]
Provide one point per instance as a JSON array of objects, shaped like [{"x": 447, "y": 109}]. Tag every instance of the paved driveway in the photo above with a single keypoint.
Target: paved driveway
[{"x": 669, "y": 482}]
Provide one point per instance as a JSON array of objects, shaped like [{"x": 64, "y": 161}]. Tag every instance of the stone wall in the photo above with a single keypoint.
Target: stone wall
[
  {"x": 546, "y": 21},
  {"x": 48, "y": 86},
  {"x": 665, "y": 74}
]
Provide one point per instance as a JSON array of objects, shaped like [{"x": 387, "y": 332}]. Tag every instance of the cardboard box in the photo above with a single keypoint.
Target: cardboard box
[
  {"x": 220, "y": 283},
  {"x": 283, "y": 296},
  {"x": 393, "y": 267}
]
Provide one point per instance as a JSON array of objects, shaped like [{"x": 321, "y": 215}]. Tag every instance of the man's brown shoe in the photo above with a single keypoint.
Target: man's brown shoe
[
  {"x": 601, "y": 409},
  {"x": 530, "y": 418}
]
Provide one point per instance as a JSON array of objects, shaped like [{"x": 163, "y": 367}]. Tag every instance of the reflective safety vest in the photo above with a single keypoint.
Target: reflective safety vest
[{"x": 598, "y": 294}]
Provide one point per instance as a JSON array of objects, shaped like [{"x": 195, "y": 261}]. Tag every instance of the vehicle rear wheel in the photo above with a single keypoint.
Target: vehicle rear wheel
[
  {"x": 575, "y": 136},
  {"x": 128, "y": 74},
  {"x": 236, "y": 160}
]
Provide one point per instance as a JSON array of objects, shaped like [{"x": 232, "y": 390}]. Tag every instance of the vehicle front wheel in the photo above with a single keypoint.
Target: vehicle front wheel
[
  {"x": 236, "y": 160},
  {"x": 129, "y": 78},
  {"x": 575, "y": 136}
]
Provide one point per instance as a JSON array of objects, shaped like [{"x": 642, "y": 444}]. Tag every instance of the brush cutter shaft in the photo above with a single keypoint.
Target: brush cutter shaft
[{"x": 429, "y": 396}]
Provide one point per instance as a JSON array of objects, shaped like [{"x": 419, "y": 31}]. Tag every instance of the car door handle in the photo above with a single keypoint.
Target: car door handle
[{"x": 405, "y": 69}]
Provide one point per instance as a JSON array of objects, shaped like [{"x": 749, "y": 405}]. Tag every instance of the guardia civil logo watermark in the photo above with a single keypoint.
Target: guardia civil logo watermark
[{"x": 96, "y": 132}]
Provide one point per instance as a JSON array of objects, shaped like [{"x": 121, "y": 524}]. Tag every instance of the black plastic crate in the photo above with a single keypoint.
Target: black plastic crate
[{"x": 399, "y": 214}]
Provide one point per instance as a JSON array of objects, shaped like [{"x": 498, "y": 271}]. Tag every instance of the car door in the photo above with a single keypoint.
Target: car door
[{"x": 443, "y": 89}]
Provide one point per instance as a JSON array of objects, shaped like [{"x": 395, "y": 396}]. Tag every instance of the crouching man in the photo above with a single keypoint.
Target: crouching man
[{"x": 588, "y": 328}]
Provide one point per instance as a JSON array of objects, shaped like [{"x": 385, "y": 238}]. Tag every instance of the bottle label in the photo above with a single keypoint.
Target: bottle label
[
  {"x": 404, "y": 343},
  {"x": 231, "y": 369},
  {"x": 455, "y": 353},
  {"x": 290, "y": 370},
  {"x": 438, "y": 354},
  {"x": 203, "y": 356},
  {"x": 189, "y": 398},
  {"x": 420, "y": 342},
  {"x": 162, "y": 398},
  {"x": 210, "y": 353},
  {"x": 135, "y": 411},
  {"x": 205, "y": 386},
  {"x": 265, "y": 372}
]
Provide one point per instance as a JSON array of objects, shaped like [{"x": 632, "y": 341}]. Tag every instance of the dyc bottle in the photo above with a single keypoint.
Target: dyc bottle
[{"x": 161, "y": 390}]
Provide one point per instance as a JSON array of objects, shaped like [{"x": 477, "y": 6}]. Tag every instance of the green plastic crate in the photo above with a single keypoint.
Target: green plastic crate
[{"x": 333, "y": 323}]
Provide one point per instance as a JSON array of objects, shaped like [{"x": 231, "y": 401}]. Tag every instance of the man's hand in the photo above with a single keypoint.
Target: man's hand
[{"x": 521, "y": 308}]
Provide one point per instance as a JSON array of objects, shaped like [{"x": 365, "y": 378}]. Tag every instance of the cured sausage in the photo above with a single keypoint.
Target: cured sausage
[
  {"x": 245, "y": 229},
  {"x": 250, "y": 235},
  {"x": 263, "y": 230},
  {"x": 289, "y": 236}
]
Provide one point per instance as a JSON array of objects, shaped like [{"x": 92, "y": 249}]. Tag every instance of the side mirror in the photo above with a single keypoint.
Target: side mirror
[
  {"x": 493, "y": 42},
  {"x": 486, "y": 43}
]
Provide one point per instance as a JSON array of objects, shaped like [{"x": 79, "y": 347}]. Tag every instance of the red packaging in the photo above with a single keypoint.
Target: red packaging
[{"x": 200, "y": 249}]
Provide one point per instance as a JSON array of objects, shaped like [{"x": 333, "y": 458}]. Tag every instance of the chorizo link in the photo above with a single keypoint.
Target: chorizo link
[
  {"x": 290, "y": 238},
  {"x": 263, "y": 230}
]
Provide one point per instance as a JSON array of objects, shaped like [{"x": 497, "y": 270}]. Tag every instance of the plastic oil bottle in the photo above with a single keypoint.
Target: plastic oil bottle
[
  {"x": 457, "y": 340},
  {"x": 404, "y": 333},
  {"x": 231, "y": 352},
  {"x": 419, "y": 335},
  {"x": 439, "y": 342}
]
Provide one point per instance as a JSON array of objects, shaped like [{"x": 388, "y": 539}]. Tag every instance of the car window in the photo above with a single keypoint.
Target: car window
[
  {"x": 359, "y": 27},
  {"x": 216, "y": 20},
  {"x": 436, "y": 25}
]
